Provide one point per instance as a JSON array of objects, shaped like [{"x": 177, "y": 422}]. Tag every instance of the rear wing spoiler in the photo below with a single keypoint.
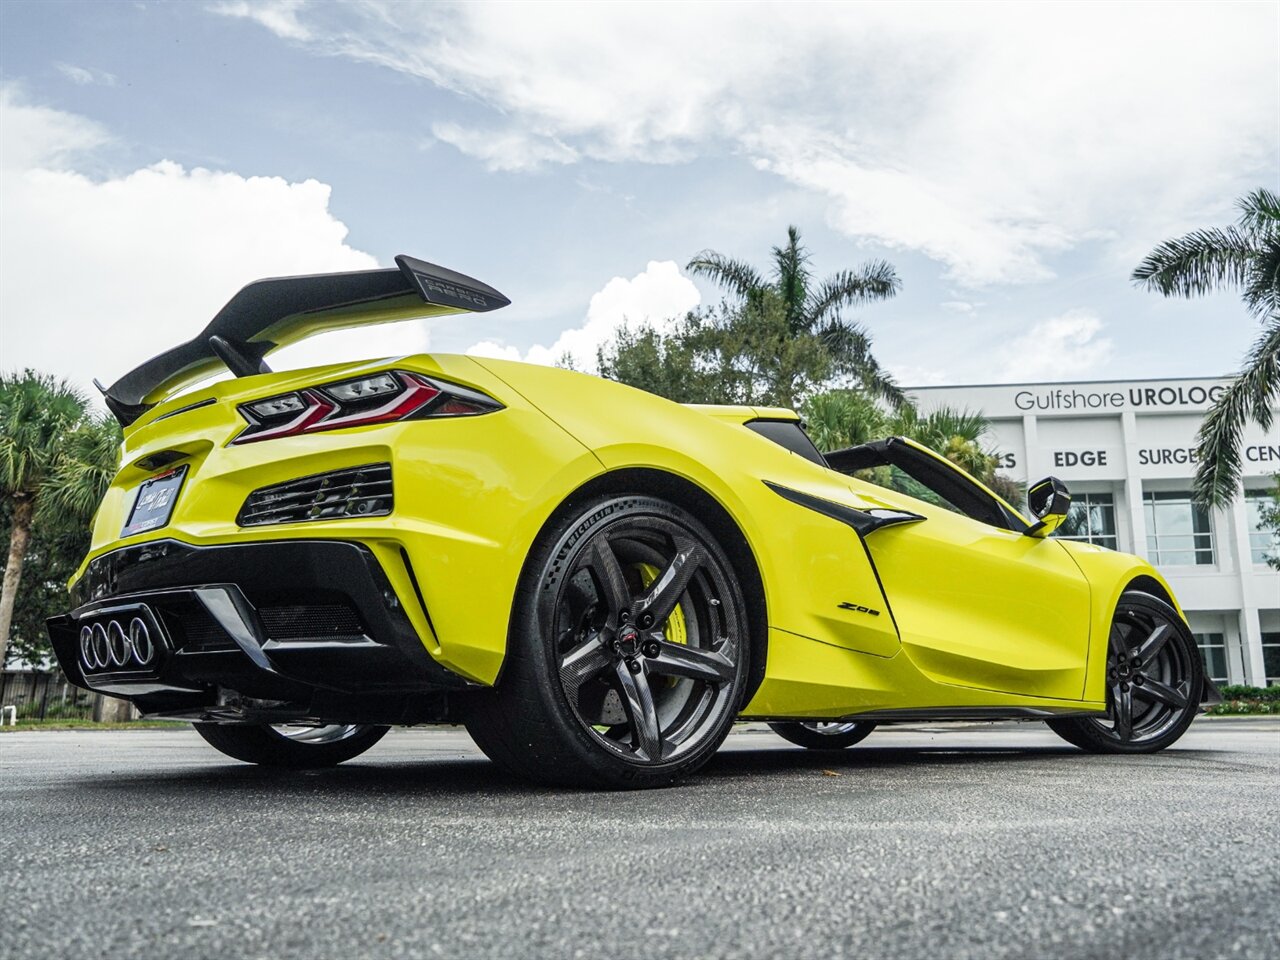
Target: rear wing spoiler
[{"x": 272, "y": 313}]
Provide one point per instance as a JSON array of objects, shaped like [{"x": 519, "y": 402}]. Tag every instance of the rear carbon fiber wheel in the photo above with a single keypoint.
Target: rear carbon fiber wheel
[
  {"x": 1155, "y": 679},
  {"x": 296, "y": 747},
  {"x": 628, "y": 651},
  {"x": 822, "y": 735}
]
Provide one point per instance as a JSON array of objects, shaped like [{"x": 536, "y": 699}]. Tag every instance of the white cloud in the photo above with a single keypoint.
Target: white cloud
[
  {"x": 990, "y": 137},
  {"x": 35, "y": 136},
  {"x": 657, "y": 296},
  {"x": 505, "y": 149},
  {"x": 86, "y": 76},
  {"x": 1060, "y": 348},
  {"x": 278, "y": 16},
  {"x": 98, "y": 275},
  {"x": 908, "y": 375}
]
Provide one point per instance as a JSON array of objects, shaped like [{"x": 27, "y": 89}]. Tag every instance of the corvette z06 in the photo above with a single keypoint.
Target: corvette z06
[{"x": 596, "y": 581}]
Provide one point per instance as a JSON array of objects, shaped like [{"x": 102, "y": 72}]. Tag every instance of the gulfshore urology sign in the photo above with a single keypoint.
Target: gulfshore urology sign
[
  {"x": 1132, "y": 397},
  {"x": 1127, "y": 451}
]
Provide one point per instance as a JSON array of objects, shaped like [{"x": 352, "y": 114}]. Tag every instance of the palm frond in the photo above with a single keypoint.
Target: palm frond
[
  {"x": 880, "y": 384},
  {"x": 1198, "y": 263},
  {"x": 846, "y": 341},
  {"x": 1249, "y": 398},
  {"x": 1262, "y": 372},
  {"x": 1259, "y": 211},
  {"x": 905, "y": 422},
  {"x": 81, "y": 473},
  {"x": 850, "y": 348},
  {"x": 842, "y": 418},
  {"x": 737, "y": 276},
  {"x": 1262, "y": 288},
  {"x": 36, "y": 413},
  {"x": 969, "y": 425},
  {"x": 874, "y": 280},
  {"x": 791, "y": 274}
]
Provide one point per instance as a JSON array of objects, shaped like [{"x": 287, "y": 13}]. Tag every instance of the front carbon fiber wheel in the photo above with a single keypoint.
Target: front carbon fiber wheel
[
  {"x": 1155, "y": 679},
  {"x": 628, "y": 651}
]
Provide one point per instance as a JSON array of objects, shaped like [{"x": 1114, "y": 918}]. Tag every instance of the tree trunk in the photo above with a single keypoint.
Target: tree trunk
[{"x": 19, "y": 537}]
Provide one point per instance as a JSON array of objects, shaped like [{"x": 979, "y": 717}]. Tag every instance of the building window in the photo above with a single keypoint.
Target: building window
[
  {"x": 1262, "y": 542},
  {"x": 1271, "y": 658},
  {"x": 1178, "y": 531},
  {"x": 1092, "y": 518},
  {"x": 1213, "y": 650}
]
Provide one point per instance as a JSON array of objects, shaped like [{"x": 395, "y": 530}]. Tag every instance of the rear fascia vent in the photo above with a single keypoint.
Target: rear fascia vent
[{"x": 337, "y": 495}]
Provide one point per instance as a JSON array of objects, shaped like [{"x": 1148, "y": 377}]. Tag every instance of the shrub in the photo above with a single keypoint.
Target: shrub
[
  {"x": 1240, "y": 691},
  {"x": 1241, "y": 699}
]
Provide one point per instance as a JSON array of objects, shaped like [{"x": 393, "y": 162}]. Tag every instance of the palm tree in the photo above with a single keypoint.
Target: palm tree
[
  {"x": 954, "y": 433},
  {"x": 55, "y": 464},
  {"x": 815, "y": 309},
  {"x": 842, "y": 418},
  {"x": 1243, "y": 256}
]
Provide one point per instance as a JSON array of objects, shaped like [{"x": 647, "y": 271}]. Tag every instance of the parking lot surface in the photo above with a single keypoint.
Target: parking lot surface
[{"x": 978, "y": 841}]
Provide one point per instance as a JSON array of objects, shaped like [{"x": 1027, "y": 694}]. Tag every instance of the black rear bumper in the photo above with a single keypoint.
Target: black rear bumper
[{"x": 279, "y": 630}]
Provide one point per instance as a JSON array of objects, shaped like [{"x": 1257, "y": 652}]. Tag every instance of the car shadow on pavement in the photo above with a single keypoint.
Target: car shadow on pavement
[
  {"x": 881, "y": 760},
  {"x": 453, "y": 776}
]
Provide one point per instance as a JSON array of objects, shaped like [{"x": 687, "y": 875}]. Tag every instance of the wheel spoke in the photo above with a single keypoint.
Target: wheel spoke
[
  {"x": 1122, "y": 710},
  {"x": 612, "y": 584},
  {"x": 1153, "y": 690},
  {"x": 666, "y": 591},
  {"x": 1118, "y": 644},
  {"x": 637, "y": 701},
  {"x": 678, "y": 660},
  {"x": 585, "y": 661},
  {"x": 1154, "y": 643}
]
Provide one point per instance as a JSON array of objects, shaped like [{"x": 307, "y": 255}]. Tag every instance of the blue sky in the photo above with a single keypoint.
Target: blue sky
[{"x": 1013, "y": 162}]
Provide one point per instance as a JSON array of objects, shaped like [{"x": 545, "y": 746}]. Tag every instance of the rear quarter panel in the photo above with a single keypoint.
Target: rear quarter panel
[{"x": 808, "y": 563}]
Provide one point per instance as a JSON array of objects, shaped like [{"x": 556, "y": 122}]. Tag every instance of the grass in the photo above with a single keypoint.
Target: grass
[{"x": 71, "y": 724}]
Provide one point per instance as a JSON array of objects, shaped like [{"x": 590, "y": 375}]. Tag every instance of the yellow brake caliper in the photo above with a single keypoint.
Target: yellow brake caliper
[{"x": 674, "y": 631}]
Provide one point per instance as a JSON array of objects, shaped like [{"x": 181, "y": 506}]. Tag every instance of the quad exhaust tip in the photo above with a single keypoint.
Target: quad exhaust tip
[{"x": 114, "y": 645}]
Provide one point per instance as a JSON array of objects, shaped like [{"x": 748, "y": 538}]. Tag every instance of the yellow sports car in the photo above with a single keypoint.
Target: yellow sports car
[{"x": 596, "y": 581}]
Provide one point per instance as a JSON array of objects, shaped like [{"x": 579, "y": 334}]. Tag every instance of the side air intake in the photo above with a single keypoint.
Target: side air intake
[{"x": 340, "y": 494}]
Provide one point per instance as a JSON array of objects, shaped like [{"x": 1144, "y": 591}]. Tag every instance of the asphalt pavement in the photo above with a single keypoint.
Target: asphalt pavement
[{"x": 982, "y": 841}]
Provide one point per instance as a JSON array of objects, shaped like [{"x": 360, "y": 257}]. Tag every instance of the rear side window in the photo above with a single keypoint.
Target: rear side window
[{"x": 789, "y": 435}]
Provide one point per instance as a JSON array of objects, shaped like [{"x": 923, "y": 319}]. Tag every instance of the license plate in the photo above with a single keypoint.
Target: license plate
[{"x": 153, "y": 505}]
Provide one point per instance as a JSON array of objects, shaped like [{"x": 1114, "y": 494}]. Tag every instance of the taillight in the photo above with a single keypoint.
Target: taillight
[{"x": 379, "y": 398}]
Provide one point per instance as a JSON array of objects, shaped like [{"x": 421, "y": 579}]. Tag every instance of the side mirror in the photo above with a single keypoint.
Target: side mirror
[{"x": 1049, "y": 500}]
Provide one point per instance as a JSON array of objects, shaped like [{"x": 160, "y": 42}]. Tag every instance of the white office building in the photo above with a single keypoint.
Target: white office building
[{"x": 1126, "y": 450}]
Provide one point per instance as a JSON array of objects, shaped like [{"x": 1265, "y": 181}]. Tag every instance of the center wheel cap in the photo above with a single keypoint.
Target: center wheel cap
[{"x": 628, "y": 641}]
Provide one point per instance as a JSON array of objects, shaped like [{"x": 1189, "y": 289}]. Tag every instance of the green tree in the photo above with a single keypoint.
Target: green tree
[
  {"x": 732, "y": 353},
  {"x": 52, "y": 557},
  {"x": 55, "y": 463},
  {"x": 1245, "y": 257},
  {"x": 843, "y": 418},
  {"x": 792, "y": 331},
  {"x": 1270, "y": 521},
  {"x": 955, "y": 434},
  {"x": 670, "y": 364}
]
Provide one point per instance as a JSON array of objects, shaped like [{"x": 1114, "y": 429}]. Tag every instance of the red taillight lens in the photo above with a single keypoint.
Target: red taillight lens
[{"x": 380, "y": 398}]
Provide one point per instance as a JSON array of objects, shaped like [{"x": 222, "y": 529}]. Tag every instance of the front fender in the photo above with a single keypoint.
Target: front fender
[{"x": 1110, "y": 574}]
